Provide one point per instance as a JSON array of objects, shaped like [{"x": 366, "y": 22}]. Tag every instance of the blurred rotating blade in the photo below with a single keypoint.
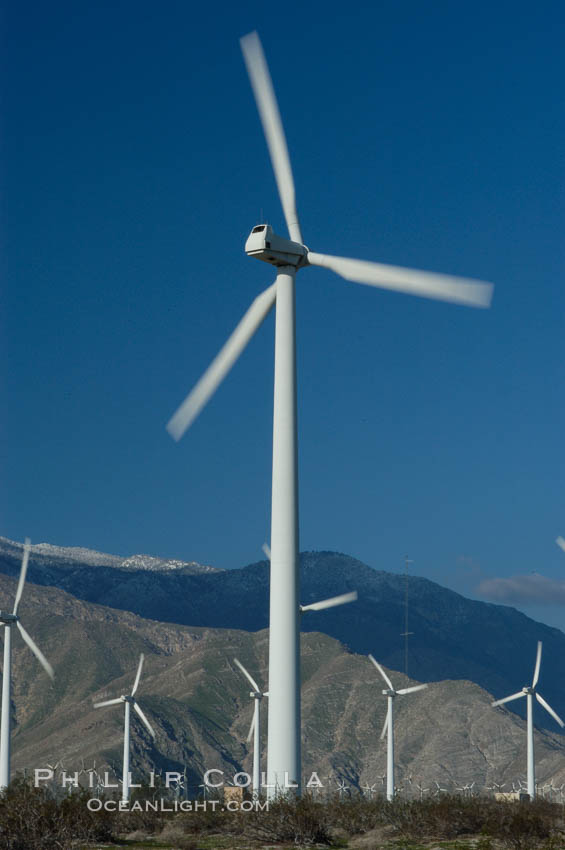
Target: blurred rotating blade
[
  {"x": 443, "y": 287},
  {"x": 247, "y": 675},
  {"x": 108, "y": 702},
  {"x": 23, "y": 573},
  {"x": 331, "y": 603},
  {"x": 508, "y": 699},
  {"x": 385, "y": 727},
  {"x": 36, "y": 650},
  {"x": 221, "y": 365},
  {"x": 266, "y": 100},
  {"x": 549, "y": 710},
  {"x": 251, "y": 729},
  {"x": 538, "y": 664},
  {"x": 412, "y": 690},
  {"x": 144, "y": 720},
  {"x": 138, "y": 674},
  {"x": 560, "y": 542},
  {"x": 382, "y": 672}
]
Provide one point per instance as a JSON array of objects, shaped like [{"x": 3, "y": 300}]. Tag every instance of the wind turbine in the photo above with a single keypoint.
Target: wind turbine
[
  {"x": 8, "y": 620},
  {"x": 129, "y": 701},
  {"x": 255, "y": 729},
  {"x": 529, "y": 691},
  {"x": 289, "y": 256},
  {"x": 391, "y": 693}
]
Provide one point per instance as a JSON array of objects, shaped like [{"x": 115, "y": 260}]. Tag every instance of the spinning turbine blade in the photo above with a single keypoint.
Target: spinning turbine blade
[
  {"x": 108, "y": 702},
  {"x": 222, "y": 363},
  {"x": 560, "y": 542},
  {"x": 410, "y": 281},
  {"x": 23, "y": 573},
  {"x": 272, "y": 126},
  {"x": 247, "y": 675},
  {"x": 508, "y": 699},
  {"x": 412, "y": 689},
  {"x": 138, "y": 674},
  {"x": 331, "y": 603},
  {"x": 144, "y": 719},
  {"x": 385, "y": 727},
  {"x": 538, "y": 663},
  {"x": 36, "y": 650},
  {"x": 267, "y": 550},
  {"x": 251, "y": 729},
  {"x": 549, "y": 710},
  {"x": 381, "y": 671}
]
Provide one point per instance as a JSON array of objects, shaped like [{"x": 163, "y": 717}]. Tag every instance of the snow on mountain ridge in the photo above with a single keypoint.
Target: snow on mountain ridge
[{"x": 82, "y": 555}]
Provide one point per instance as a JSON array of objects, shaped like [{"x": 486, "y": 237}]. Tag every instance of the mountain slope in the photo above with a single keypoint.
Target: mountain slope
[
  {"x": 199, "y": 704},
  {"x": 454, "y": 637}
]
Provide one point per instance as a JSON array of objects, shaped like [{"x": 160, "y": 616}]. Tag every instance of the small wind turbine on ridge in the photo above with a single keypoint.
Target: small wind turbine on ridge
[
  {"x": 529, "y": 691},
  {"x": 289, "y": 256},
  {"x": 129, "y": 700},
  {"x": 7, "y": 621},
  {"x": 255, "y": 729},
  {"x": 391, "y": 693}
]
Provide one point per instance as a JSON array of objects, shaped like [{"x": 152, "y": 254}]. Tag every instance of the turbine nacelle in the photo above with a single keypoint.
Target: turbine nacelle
[
  {"x": 264, "y": 244},
  {"x": 8, "y": 619},
  {"x": 389, "y": 692}
]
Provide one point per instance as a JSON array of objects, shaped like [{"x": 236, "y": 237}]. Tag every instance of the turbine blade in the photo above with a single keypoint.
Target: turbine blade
[
  {"x": 138, "y": 674},
  {"x": 251, "y": 729},
  {"x": 267, "y": 550},
  {"x": 549, "y": 710},
  {"x": 412, "y": 689},
  {"x": 266, "y": 101},
  {"x": 385, "y": 727},
  {"x": 248, "y": 676},
  {"x": 560, "y": 542},
  {"x": 508, "y": 699},
  {"x": 107, "y": 702},
  {"x": 222, "y": 363},
  {"x": 23, "y": 573},
  {"x": 538, "y": 664},
  {"x": 36, "y": 650},
  {"x": 144, "y": 720},
  {"x": 331, "y": 603},
  {"x": 382, "y": 672},
  {"x": 410, "y": 281}
]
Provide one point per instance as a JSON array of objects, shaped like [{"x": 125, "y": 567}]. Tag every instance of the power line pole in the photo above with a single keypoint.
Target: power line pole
[{"x": 406, "y": 634}]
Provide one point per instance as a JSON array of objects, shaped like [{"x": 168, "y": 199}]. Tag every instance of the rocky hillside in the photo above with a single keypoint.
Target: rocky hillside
[
  {"x": 454, "y": 637},
  {"x": 199, "y": 705}
]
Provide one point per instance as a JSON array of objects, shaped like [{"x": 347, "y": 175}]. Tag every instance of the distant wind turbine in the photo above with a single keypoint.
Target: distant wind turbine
[
  {"x": 129, "y": 701},
  {"x": 529, "y": 692},
  {"x": 289, "y": 256},
  {"x": 7, "y": 621},
  {"x": 255, "y": 729},
  {"x": 391, "y": 693}
]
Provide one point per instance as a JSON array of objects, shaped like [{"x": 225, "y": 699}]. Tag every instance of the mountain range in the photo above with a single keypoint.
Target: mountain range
[
  {"x": 198, "y": 702},
  {"x": 453, "y": 637}
]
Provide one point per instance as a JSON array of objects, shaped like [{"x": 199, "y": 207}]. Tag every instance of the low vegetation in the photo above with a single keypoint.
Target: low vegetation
[{"x": 34, "y": 819}]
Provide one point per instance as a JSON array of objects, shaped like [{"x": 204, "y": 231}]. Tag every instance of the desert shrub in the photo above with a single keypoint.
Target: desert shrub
[
  {"x": 32, "y": 819},
  {"x": 301, "y": 821}
]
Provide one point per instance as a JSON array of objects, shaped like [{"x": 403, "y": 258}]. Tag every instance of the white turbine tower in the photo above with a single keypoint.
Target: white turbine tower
[
  {"x": 129, "y": 701},
  {"x": 255, "y": 729},
  {"x": 529, "y": 691},
  {"x": 289, "y": 256},
  {"x": 391, "y": 693},
  {"x": 8, "y": 620}
]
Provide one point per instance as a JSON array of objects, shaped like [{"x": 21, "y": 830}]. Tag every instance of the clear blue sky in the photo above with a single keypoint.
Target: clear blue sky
[{"x": 427, "y": 135}]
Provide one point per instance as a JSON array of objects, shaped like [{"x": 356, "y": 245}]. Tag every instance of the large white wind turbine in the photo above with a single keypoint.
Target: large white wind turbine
[
  {"x": 129, "y": 701},
  {"x": 529, "y": 691},
  {"x": 391, "y": 693},
  {"x": 289, "y": 256},
  {"x": 255, "y": 729},
  {"x": 8, "y": 620}
]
